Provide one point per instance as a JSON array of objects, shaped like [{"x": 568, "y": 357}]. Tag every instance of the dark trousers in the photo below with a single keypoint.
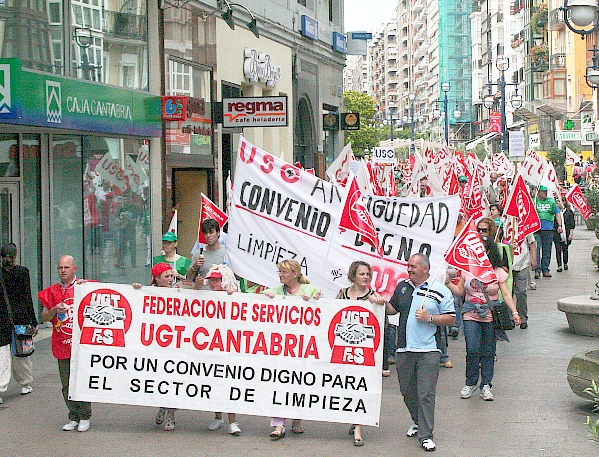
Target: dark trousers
[
  {"x": 78, "y": 410},
  {"x": 418, "y": 373},
  {"x": 561, "y": 250}
]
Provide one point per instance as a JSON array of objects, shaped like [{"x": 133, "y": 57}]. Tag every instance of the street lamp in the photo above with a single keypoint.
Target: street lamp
[
  {"x": 84, "y": 39},
  {"x": 579, "y": 14},
  {"x": 457, "y": 114},
  {"x": 412, "y": 97},
  {"x": 592, "y": 74},
  {"x": 391, "y": 108},
  {"x": 502, "y": 63}
]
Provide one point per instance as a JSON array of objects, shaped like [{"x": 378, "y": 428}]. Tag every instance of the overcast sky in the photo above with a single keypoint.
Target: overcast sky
[{"x": 368, "y": 15}]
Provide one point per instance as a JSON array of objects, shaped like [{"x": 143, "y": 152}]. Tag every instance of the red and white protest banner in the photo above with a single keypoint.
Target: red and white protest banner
[
  {"x": 578, "y": 200},
  {"x": 280, "y": 212},
  {"x": 532, "y": 168},
  {"x": 520, "y": 205},
  {"x": 210, "y": 351},
  {"x": 210, "y": 211},
  {"x": 571, "y": 157},
  {"x": 468, "y": 253}
]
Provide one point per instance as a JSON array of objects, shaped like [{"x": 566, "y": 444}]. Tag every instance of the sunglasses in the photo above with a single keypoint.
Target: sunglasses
[{"x": 483, "y": 230}]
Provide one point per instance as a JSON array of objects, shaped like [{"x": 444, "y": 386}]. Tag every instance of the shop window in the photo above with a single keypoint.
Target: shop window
[
  {"x": 9, "y": 156},
  {"x": 115, "y": 209}
]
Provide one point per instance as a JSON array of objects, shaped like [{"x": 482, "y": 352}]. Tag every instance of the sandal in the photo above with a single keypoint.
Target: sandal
[
  {"x": 351, "y": 429},
  {"x": 358, "y": 442},
  {"x": 276, "y": 435},
  {"x": 296, "y": 427}
]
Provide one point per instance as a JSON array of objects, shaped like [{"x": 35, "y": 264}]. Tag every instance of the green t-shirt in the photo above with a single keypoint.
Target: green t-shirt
[
  {"x": 305, "y": 289},
  {"x": 181, "y": 264},
  {"x": 546, "y": 209}
]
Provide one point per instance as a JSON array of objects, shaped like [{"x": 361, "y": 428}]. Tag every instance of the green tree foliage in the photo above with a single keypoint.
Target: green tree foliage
[{"x": 369, "y": 134}]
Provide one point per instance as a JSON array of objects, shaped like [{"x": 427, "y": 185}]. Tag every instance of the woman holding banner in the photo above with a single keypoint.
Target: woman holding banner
[
  {"x": 163, "y": 276},
  {"x": 360, "y": 275},
  {"x": 477, "y": 318},
  {"x": 293, "y": 282}
]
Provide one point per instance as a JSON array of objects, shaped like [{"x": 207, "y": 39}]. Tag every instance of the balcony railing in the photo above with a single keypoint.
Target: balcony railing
[
  {"x": 125, "y": 25},
  {"x": 557, "y": 61},
  {"x": 556, "y": 20}
]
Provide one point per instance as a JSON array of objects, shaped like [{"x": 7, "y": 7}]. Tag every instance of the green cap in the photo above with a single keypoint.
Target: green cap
[
  {"x": 541, "y": 188},
  {"x": 169, "y": 236},
  {"x": 463, "y": 179}
]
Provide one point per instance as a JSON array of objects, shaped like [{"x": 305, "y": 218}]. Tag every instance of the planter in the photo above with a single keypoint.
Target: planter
[
  {"x": 582, "y": 370},
  {"x": 582, "y": 314},
  {"x": 592, "y": 223}
]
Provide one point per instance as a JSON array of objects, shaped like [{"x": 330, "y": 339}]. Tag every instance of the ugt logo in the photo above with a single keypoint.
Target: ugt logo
[
  {"x": 104, "y": 318},
  {"x": 354, "y": 336}
]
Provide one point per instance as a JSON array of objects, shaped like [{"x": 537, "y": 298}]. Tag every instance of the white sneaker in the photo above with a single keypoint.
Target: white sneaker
[
  {"x": 533, "y": 286},
  {"x": 216, "y": 424},
  {"x": 160, "y": 416},
  {"x": 234, "y": 429},
  {"x": 83, "y": 425},
  {"x": 70, "y": 426},
  {"x": 26, "y": 390},
  {"x": 485, "y": 393},
  {"x": 467, "y": 391},
  {"x": 413, "y": 430},
  {"x": 428, "y": 445},
  {"x": 169, "y": 420}
]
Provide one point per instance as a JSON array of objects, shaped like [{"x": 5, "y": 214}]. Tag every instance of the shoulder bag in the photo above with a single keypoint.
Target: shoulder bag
[
  {"x": 502, "y": 316},
  {"x": 22, "y": 335}
]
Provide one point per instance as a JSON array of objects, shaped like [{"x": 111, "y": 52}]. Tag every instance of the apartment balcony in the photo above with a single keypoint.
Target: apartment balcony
[
  {"x": 418, "y": 6},
  {"x": 557, "y": 61},
  {"x": 556, "y": 20},
  {"x": 125, "y": 25}
]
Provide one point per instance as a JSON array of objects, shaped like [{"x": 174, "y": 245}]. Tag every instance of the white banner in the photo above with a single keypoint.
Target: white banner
[
  {"x": 243, "y": 353},
  {"x": 280, "y": 212}
]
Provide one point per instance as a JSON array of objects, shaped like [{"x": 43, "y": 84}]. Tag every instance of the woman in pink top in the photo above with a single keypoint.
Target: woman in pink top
[{"x": 479, "y": 330}]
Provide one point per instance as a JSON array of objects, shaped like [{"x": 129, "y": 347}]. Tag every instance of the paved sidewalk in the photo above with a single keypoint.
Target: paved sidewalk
[{"x": 534, "y": 412}]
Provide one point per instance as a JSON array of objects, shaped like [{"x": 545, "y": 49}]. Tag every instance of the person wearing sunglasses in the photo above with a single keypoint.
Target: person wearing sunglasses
[{"x": 477, "y": 318}]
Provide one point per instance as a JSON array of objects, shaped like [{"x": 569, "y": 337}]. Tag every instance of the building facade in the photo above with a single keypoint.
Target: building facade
[
  {"x": 295, "y": 50},
  {"x": 80, "y": 127}
]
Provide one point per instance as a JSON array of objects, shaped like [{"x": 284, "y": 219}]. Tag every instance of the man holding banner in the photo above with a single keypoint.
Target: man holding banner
[
  {"x": 423, "y": 304},
  {"x": 203, "y": 259}
]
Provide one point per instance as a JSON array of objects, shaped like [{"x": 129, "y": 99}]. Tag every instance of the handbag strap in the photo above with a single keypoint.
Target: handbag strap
[
  {"x": 487, "y": 297},
  {"x": 5, "y": 295}
]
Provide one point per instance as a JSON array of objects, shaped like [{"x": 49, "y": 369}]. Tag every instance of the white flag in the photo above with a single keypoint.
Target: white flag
[
  {"x": 173, "y": 225},
  {"x": 571, "y": 157},
  {"x": 338, "y": 171}
]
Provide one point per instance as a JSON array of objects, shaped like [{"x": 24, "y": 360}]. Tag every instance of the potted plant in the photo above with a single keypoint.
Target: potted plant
[
  {"x": 539, "y": 18},
  {"x": 539, "y": 55},
  {"x": 592, "y": 196}
]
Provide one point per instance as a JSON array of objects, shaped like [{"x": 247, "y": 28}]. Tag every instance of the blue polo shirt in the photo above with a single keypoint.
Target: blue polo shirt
[{"x": 413, "y": 335}]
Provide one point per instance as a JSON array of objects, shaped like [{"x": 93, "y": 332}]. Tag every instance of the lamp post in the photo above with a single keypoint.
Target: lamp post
[
  {"x": 502, "y": 63},
  {"x": 412, "y": 97},
  {"x": 391, "y": 108},
  {"x": 457, "y": 114},
  {"x": 579, "y": 14},
  {"x": 84, "y": 39}
]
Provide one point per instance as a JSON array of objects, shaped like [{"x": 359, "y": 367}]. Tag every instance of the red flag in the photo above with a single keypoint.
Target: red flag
[
  {"x": 453, "y": 186},
  {"x": 376, "y": 185},
  {"x": 468, "y": 253},
  {"x": 210, "y": 211},
  {"x": 520, "y": 205},
  {"x": 473, "y": 198},
  {"x": 392, "y": 187},
  {"x": 578, "y": 200},
  {"x": 355, "y": 216}
]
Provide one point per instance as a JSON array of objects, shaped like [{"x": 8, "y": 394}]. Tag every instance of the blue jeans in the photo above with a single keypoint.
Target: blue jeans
[
  {"x": 480, "y": 352},
  {"x": 544, "y": 244}
]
